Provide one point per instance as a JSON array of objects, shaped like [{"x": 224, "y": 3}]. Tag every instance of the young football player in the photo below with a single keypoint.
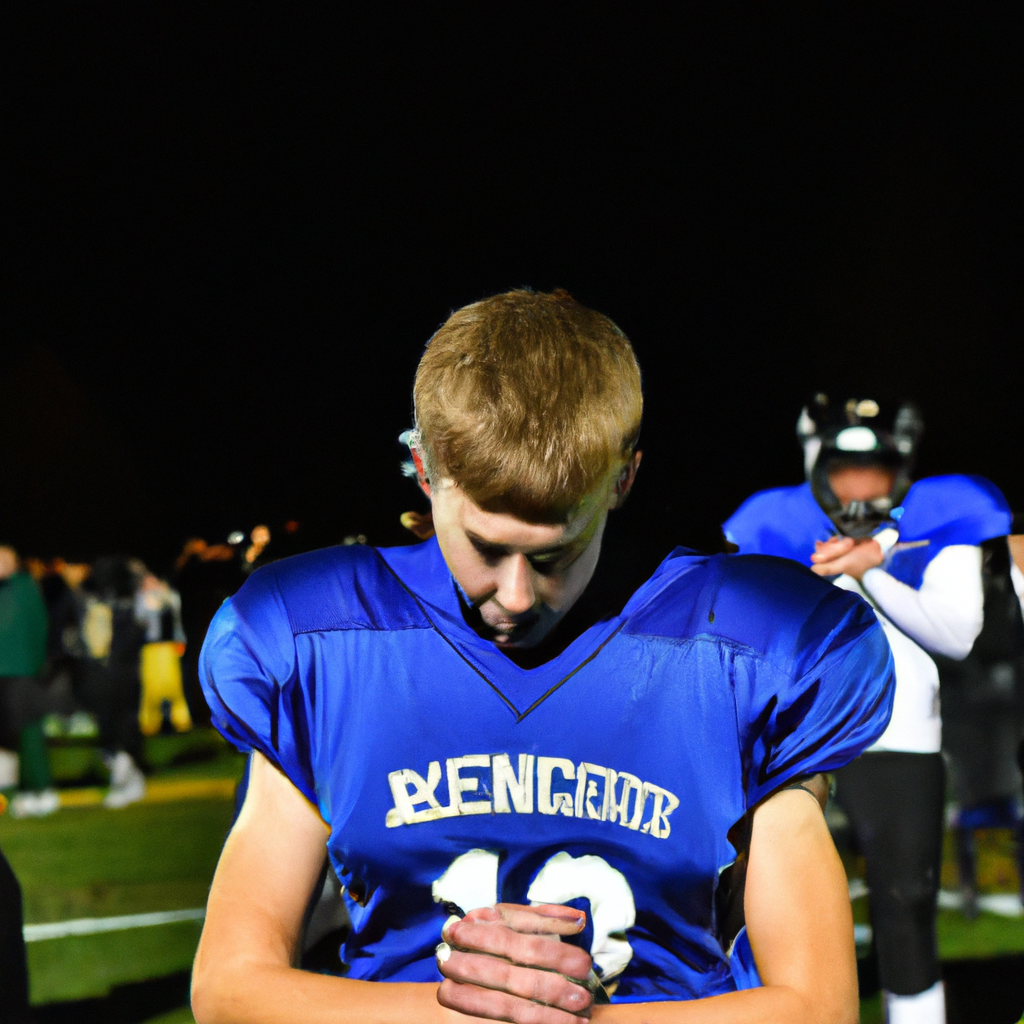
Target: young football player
[
  {"x": 489, "y": 777},
  {"x": 914, "y": 552}
]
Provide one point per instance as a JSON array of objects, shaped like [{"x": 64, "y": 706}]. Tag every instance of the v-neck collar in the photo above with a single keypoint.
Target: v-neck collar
[{"x": 423, "y": 572}]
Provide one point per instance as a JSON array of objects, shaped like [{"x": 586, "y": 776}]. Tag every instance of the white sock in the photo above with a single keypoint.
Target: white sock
[{"x": 927, "y": 1007}]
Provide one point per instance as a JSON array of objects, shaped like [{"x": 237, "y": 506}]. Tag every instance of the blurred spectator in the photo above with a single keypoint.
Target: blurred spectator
[
  {"x": 206, "y": 575},
  {"x": 254, "y": 555},
  {"x": 57, "y": 676},
  {"x": 23, "y": 633},
  {"x": 108, "y": 641},
  {"x": 158, "y": 610}
]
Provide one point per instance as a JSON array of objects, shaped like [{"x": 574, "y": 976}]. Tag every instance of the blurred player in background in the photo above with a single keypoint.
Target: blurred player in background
[
  {"x": 23, "y": 635},
  {"x": 913, "y": 551},
  {"x": 983, "y": 718},
  {"x": 108, "y": 642},
  {"x": 489, "y": 767}
]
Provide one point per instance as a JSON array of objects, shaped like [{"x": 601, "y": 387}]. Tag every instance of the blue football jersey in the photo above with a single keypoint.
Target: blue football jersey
[
  {"x": 607, "y": 777},
  {"x": 937, "y": 512}
]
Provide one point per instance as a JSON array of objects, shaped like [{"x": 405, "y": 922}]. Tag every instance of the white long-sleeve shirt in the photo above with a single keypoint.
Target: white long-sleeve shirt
[{"x": 944, "y": 616}]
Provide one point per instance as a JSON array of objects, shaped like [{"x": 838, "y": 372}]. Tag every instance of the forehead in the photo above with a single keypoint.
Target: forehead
[{"x": 502, "y": 528}]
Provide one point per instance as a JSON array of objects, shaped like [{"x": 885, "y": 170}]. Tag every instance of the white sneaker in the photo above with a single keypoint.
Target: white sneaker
[
  {"x": 35, "y": 805},
  {"x": 127, "y": 783}
]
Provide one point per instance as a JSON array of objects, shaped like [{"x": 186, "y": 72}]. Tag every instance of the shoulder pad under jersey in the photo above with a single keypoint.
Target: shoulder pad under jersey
[
  {"x": 940, "y": 511},
  {"x": 784, "y": 521},
  {"x": 346, "y": 587}
]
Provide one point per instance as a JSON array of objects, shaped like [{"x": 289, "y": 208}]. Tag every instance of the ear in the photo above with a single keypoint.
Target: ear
[
  {"x": 421, "y": 473},
  {"x": 625, "y": 481},
  {"x": 421, "y": 524}
]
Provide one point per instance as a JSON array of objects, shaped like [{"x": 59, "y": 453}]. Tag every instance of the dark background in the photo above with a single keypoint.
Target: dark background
[{"x": 230, "y": 229}]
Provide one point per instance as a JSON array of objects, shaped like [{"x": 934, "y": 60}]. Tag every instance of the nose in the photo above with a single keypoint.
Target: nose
[{"x": 515, "y": 586}]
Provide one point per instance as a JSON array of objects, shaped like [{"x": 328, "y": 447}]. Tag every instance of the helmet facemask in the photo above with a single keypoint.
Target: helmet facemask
[{"x": 858, "y": 434}]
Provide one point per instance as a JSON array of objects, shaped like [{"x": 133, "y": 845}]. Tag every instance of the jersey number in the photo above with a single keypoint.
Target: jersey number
[{"x": 471, "y": 881}]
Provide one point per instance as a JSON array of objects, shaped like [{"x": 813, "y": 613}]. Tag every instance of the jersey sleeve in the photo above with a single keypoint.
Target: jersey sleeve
[
  {"x": 249, "y": 673},
  {"x": 784, "y": 522},
  {"x": 821, "y": 696}
]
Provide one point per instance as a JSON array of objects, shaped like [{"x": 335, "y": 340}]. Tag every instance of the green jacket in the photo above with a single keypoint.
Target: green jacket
[{"x": 23, "y": 626}]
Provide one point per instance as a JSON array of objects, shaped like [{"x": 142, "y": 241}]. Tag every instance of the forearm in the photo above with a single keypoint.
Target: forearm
[
  {"x": 282, "y": 995},
  {"x": 766, "y": 1005},
  {"x": 268, "y": 869}
]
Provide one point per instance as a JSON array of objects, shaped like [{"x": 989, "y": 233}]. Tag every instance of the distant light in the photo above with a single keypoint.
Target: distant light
[
  {"x": 805, "y": 426},
  {"x": 236, "y": 537},
  {"x": 905, "y": 446},
  {"x": 856, "y": 439},
  {"x": 867, "y": 408}
]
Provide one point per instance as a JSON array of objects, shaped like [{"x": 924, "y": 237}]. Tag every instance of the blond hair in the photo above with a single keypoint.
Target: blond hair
[{"x": 527, "y": 400}]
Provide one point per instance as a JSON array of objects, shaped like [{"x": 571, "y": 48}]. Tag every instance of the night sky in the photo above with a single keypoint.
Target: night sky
[{"x": 230, "y": 230}]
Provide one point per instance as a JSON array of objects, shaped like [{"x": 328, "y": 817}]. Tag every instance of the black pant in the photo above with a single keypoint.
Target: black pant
[
  {"x": 111, "y": 692},
  {"x": 895, "y": 804},
  {"x": 13, "y": 965},
  {"x": 22, "y": 701}
]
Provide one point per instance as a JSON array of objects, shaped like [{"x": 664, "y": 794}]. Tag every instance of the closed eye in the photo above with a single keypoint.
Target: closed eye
[
  {"x": 547, "y": 561},
  {"x": 491, "y": 552}
]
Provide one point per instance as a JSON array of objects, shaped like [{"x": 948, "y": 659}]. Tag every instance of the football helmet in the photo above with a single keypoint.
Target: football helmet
[{"x": 858, "y": 432}]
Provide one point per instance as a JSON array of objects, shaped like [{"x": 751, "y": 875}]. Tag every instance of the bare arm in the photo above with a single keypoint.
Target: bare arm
[
  {"x": 243, "y": 972},
  {"x": 798, "y": 921}
]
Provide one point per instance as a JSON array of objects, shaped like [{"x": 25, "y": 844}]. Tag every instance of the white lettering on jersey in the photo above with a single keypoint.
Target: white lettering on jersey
[
  {"x": 599, "y": 793},
  {"x": 507, "y": 785},
  {"x": 562, "y": 801}
]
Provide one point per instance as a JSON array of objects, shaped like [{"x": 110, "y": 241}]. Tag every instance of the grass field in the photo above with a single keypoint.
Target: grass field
[{"x": 88, "y": 862}]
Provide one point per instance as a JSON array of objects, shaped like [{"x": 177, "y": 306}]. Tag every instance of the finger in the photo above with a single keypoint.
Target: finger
[
  {"x": 526, "y": 982},
  {"x": 543, "y": 919},
  {"x": 526, "y": 949},
  {"x": 831, "y": 548},
  {"x": 495, "y": 1005},
  {"x": 828, "y": 569}
]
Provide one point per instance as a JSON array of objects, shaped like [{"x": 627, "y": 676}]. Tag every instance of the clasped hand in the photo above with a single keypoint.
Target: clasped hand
[
  {"x": 507, "y": 963},
  {"x": 840, "y": 555}
]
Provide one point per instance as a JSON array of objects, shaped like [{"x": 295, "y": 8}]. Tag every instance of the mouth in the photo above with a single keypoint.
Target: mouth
[{"x": 506, "y": 633}]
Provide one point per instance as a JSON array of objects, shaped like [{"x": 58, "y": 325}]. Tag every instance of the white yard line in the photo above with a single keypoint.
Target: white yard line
[{"x": 94, "y": 925}]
